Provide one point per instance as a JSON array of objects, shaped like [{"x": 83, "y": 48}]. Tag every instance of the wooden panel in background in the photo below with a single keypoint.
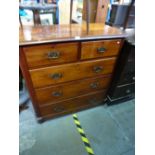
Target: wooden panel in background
[
  {"x": 102, "y": 9},
  {"x": 64, "y": 11},
  {"x": 92, "y": 8}
]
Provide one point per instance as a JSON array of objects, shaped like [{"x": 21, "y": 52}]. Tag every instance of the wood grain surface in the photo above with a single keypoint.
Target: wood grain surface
[
  {"x": 30, "y": 35},
  {"x": 73, "y": 71},
  {"x": 51, "y": 54},
  {"x": 60, "y": 92},
  {"x": 87, "y": 100},
  {"x": 91, "y": 49}
]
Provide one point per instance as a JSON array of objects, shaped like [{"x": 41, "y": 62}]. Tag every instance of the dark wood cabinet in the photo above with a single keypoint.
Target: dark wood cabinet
[{"x": 123, "y": 82}]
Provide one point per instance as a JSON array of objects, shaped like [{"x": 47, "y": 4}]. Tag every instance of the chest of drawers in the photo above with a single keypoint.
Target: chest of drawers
[{"x": 65, "y": 74}]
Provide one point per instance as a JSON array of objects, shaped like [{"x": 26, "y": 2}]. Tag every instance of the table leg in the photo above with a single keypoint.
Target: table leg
[{"x": 36, "y": 17}]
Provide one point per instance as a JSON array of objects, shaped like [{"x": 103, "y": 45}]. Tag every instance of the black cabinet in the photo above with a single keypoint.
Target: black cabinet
[{"x": 123, "y": 83}]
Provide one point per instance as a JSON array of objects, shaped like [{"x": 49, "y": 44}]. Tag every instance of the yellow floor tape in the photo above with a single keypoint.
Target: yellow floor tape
[{"x": 83, "y": 136}]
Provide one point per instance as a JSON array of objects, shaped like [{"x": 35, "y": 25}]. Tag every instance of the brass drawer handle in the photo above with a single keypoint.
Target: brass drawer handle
[
  {"x": 94, "y": 85},
  {"x": 58, "y": 109},
  {"x": 57, "y": 94},
  {"x": 128, "y": 91},
  {"x": 97, "y": 69},
  {"x": 101, "y": 50},
  {"x": 53, "y": 55},
  {"x": 56, "y": 76}
]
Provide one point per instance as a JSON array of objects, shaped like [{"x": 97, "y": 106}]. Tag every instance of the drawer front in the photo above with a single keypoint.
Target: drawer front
[
  {"x": 51, "y": 54},
  {"x": 73, "y": 104},
  {"x": 123, "y": 91},
  {"x": 71, "y": 89},
  {"x": 97, "y": 49},
  {"x": 73, "y": 71},
  {"x": 126, "y": 78}
]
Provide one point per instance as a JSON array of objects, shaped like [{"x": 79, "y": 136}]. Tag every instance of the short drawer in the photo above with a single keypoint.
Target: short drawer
[
  {"x": 71, "y": 89},
  {"x": 73, "y": 104},
  {"x": 73, "y": 71},
  {"x": 98, "y": 49},
  {"x": 50, "y": 54},
  {"x": 126, "y": 78},
  {"x": 123, "y": 91}
]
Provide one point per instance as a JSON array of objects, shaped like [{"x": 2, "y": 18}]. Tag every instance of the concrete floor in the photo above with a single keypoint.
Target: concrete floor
[{"x": 110, "y": 130}]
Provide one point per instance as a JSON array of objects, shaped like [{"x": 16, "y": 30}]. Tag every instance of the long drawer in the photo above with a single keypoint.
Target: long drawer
[
  {"x": 73, "y": 104},
  {"x": 71, "y": 89},
  {"x": 73, "y": 71},
  {"x": 98, "y": 49},
  {"x": 50, "y": 54}
]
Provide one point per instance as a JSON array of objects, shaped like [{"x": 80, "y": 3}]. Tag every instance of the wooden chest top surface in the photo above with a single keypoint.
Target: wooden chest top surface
[{"x": 30, "y": 35}]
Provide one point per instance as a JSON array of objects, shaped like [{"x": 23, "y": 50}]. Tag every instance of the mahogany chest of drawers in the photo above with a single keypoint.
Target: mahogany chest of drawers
[{"x": 65, "y": 74}]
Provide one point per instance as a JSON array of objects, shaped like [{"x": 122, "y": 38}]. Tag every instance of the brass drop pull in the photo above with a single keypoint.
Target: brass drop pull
[
  {"x": 101, "y": 50},
  {"x": 97, "y": 69},
  {"x": 94, "y": 85},
  {"x": 56, "y": 76},
  {"x": 128, "y": 91},
  {"x": 58, "y": 109},
  {"x": 57, "y": 94},
  {"x": 53, "y": 55}
]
